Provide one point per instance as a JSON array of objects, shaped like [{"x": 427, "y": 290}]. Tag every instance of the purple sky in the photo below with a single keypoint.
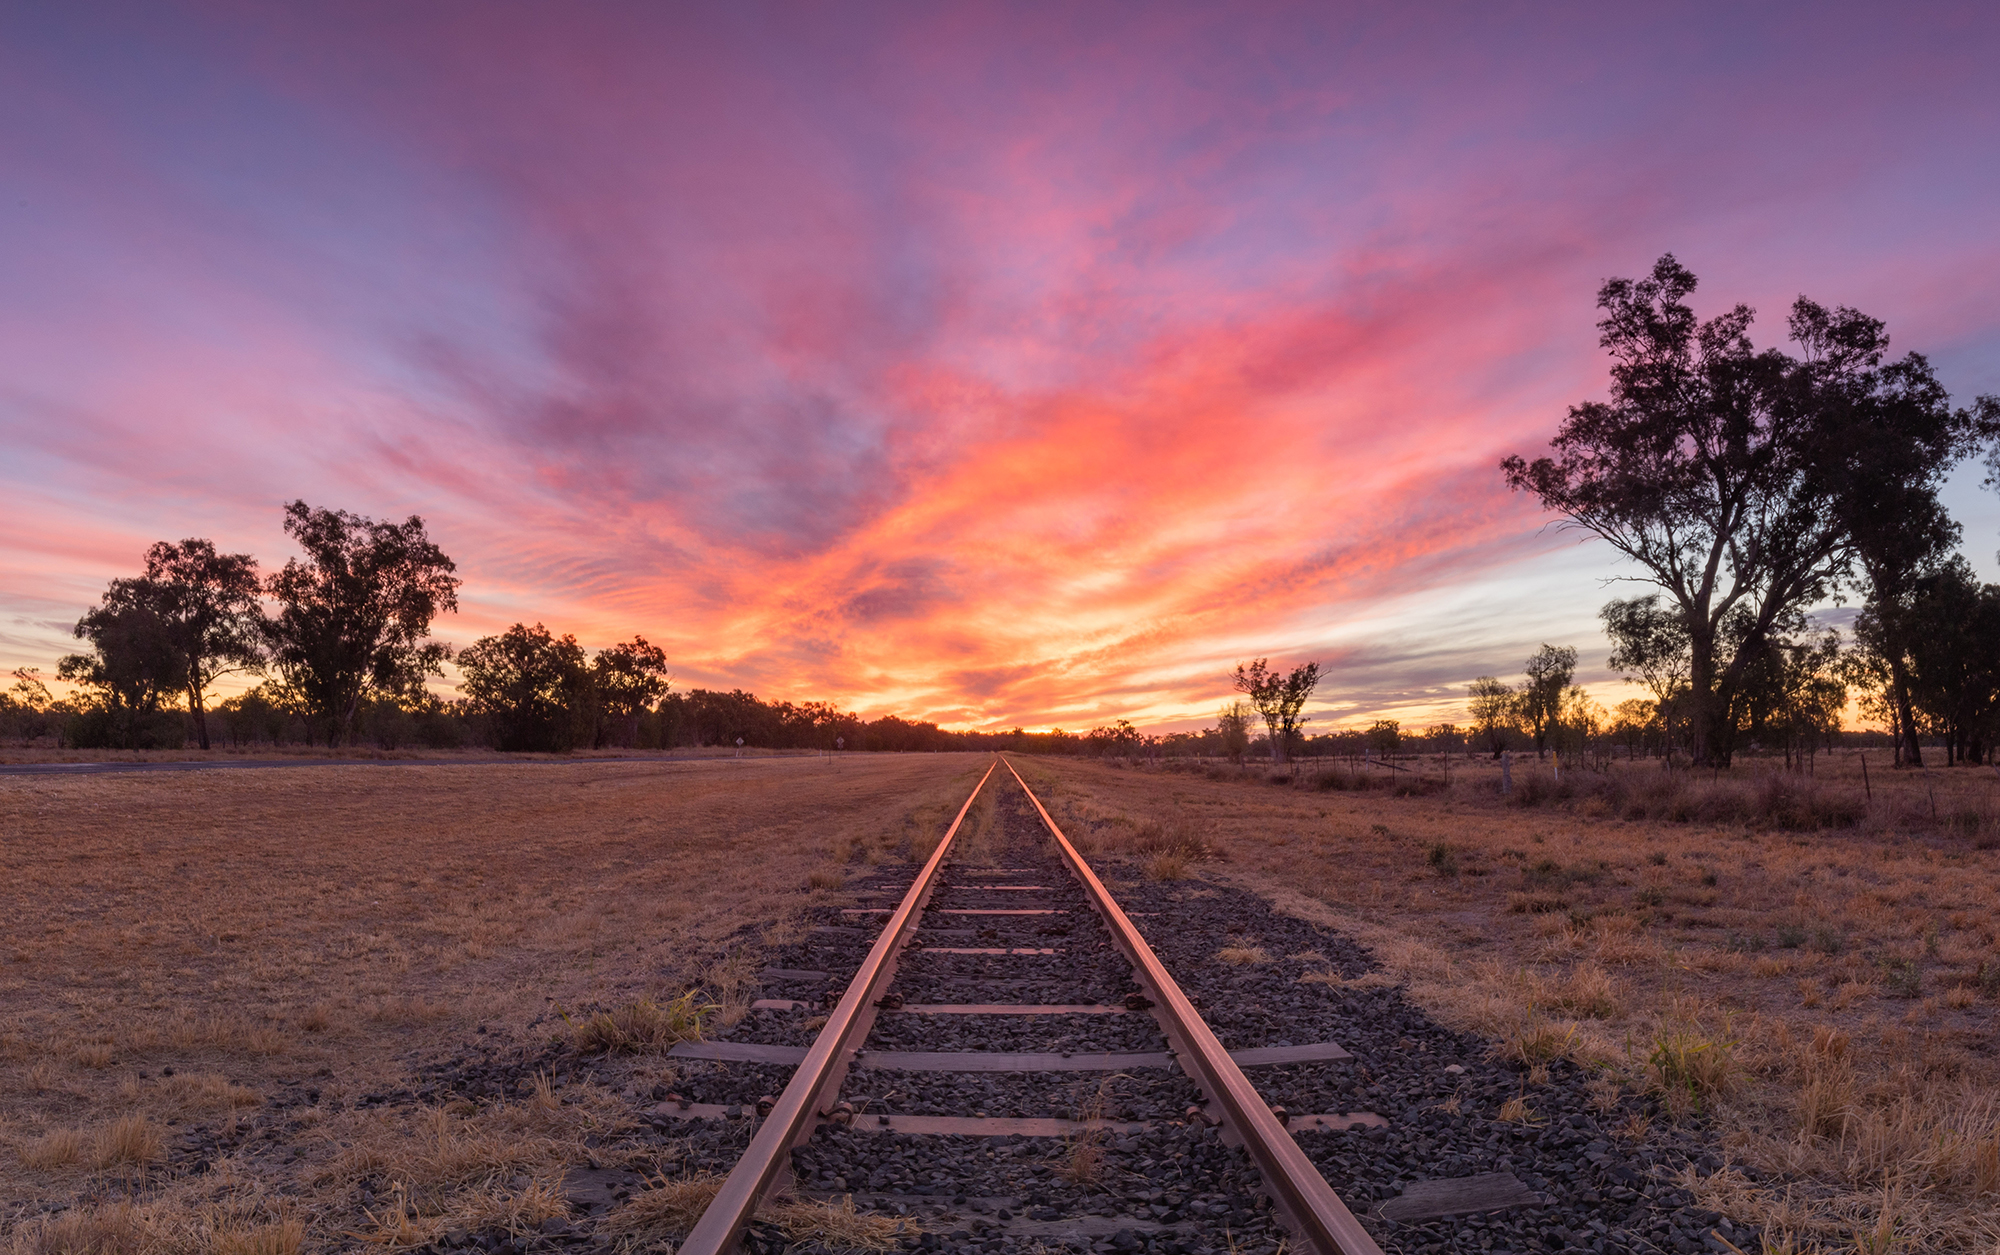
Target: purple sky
[{"x": 1017, "y": 364}]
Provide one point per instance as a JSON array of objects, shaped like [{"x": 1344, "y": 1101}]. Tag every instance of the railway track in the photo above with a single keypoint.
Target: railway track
[
  {"x": 1031, "y": 951},
  {"x": 1013, "y": 1068}
]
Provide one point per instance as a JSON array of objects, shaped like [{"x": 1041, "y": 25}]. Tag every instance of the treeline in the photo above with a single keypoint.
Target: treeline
[
  {"x": 348, "y": 634},
  {"x": 339, "y": 640}
]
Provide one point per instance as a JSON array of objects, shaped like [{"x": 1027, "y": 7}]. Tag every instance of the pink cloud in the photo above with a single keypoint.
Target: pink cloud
[{"x": 979, "y": 364}]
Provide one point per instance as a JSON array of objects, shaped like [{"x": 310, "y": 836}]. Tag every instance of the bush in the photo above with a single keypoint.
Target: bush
[
  {"x": 1785, "y": 802},
  {"x": 99, "y": 728}
]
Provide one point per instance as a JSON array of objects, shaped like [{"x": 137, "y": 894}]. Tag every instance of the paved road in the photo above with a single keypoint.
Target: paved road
[{"x": 247, "y": 764}]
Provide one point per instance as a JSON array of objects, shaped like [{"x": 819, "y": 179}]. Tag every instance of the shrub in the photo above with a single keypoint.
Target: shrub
[{"x": 1443, "y": 860}]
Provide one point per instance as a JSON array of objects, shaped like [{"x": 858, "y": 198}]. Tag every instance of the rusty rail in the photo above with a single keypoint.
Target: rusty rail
[
  {"x": 1308, "y": 1204},
  {"x": 817, "y": 1080}
]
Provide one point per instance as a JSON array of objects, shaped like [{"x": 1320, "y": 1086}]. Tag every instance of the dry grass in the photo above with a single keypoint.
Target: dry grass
[
  {"x": 667, "y": 1209},
  {"x": 128, "y": 1142},
  {"x": 1244, "y": 956},
  {"x": 1084, "y": 1150},
  {"x": 1516, "y": 1111},
  {"x": 1167, "y": 866},
  {"x": 644, "y": 1025},
  {"x": 181, "y": 947},
  {"x": 229, "y": 1227},
  {"x": 1819, "y": 974}
]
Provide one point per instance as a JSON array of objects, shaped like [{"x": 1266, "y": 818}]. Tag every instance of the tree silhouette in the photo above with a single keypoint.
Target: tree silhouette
[
  {"x": 1232, "y": 726},
  {"x": 533, "y": 687},
  {"x": 1491, "y": 703},
  {"x": 1891, "y": 439},
  {"x": 355, "y": 613},
  {"x": 134, "y": 662},
  {"x": 207, "y": 602},
  {"x": 1540, "y": 699},
  {"x": 629, "y": 679},
  {"x": 1728, "y": 474},
  {"x": 1279, "y": 699}
]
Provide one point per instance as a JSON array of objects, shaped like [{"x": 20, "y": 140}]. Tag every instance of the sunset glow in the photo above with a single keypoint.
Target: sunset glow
[{"x": 995, "y": 366}]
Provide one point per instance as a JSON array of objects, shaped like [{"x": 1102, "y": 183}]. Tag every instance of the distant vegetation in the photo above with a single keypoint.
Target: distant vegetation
[{"x": 1747, "y": 486}]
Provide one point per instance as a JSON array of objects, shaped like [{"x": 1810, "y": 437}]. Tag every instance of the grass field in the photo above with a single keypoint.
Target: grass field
[
  {"x": 258, "y": 952},
  {"x": 209, "y": 948},
  {"x": 1828, "y": 997}
]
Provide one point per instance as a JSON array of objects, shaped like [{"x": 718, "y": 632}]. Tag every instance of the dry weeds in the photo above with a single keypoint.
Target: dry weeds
[
  {"x": 667, "y": 1209},
  {"x": 1819, "y": 973},
  {"x": 1244, "y": 956}
]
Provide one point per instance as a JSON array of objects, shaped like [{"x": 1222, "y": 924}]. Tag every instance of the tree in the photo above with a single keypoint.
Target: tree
[
  {"x": 1649, "y": 643},
  {"x": 1385, "y": 737},
  {"x": 1540, "y": 698},
  {"x": 1491, "y": 704},
  {"x": 207, "y": 602},
  {"x": 134, "y": 662},
  {"x": 1950, "y": 676},
  {"x": 1444, "y": 738},
  {"x": 354, "y": 614},
  {"x": 1279, "y": 699},
  {"x": 1718, "y": 469},
  {"x": 1632, "y": 719},
  {"x": 1890, "y": 437},
  {"x": 630, "y": 679},
  {"x": 1578, "y": 718},
  {"x": 27, "y": 707},
  {"x": 1233, "y": 729},
  {"x": 28, "y": 692},
  {"x": 533, "y": 686},
  {"x": 1806, "y": 693}
]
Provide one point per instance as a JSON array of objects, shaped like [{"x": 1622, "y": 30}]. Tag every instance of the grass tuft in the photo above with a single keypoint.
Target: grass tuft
[
  {"x": 644, "y": 1025},
  {"x": 1690, "y": 1065},
  {"x": 666, "y": 1209}
]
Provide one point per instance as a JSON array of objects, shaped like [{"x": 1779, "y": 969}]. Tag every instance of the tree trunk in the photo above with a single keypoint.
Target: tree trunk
[
  {"x": 200, "y": 713},
  {"x": 1699, "y": 717},
  {"x": 1909, "y": 749},
  {"x": 343, "y": 727}
]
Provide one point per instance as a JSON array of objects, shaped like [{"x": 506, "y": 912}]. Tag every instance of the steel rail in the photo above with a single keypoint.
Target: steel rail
[
  {"x": 818, "y": 1078},
  {"x": 1314, "y": 1212}
]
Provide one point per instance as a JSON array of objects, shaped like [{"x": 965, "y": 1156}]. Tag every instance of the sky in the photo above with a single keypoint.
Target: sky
[{"x": 1018, "y": 364}]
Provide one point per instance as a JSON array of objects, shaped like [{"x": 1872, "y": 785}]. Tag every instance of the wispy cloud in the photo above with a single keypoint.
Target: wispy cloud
[{"x": 979, "y": 364}]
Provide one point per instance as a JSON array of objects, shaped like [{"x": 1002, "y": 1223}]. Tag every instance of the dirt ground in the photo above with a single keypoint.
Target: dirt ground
[
  {"x": 1827, "y": 1000},
  {"x": 201, "y": 950},
  {"x": 229, "y": 955}
]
